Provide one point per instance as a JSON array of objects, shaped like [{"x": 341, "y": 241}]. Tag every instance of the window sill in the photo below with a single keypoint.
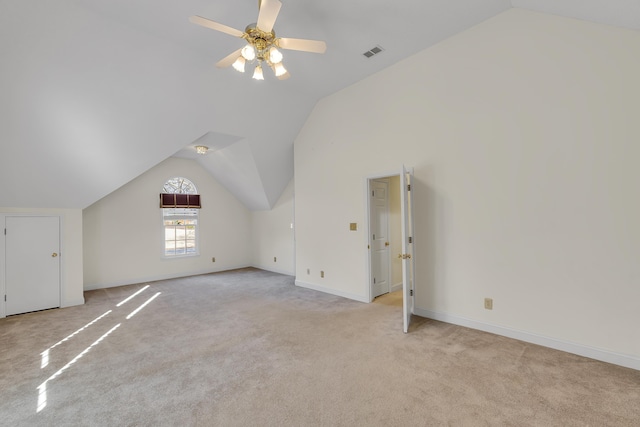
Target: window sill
[{"x": 180, "y": 256}]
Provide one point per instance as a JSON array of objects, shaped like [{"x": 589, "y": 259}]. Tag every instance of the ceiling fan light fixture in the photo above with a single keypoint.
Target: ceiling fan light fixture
[
  {"x": 275, "y": 56},
  {"x": 279, "y": 69},
  {"x": 202, "y": 149},
  {"x": 249, "y": 52},
  {"x": 257, "y": 74},
  {"x": 239, "y": 64},
  {"x": 262, "y": 44}
]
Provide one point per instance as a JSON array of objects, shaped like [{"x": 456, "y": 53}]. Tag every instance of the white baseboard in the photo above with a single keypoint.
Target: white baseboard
[
  {"x": 396, "y": 287},
  {"x": 360, "y": 298},
  {"x": 569, "y": 347},
  {"x": 94, "y": 286},
  {"x": 275, "y": 270}
]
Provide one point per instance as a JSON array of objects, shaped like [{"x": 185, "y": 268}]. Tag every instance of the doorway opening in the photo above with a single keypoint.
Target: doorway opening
[
  {"x": 391, "y": 261},
  {"x": 385, "y": 236}
]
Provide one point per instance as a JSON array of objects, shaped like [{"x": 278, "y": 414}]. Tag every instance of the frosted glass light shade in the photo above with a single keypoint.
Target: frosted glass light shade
[
  {"x": 248, "y": 53},
  {"x": 239, "y": 64},
  {"x": 279, "y": 69},
  {"x": 275, "y": 55},
  {"x": 257, "y": 74}
]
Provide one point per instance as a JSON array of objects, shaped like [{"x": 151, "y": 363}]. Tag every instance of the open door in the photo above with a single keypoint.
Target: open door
[
  {"x": 408, "y": 260},
  {"x": 380, "y": 254}
]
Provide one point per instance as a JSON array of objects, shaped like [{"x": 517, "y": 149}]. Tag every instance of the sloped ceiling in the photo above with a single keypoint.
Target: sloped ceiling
[{"x": 95, "y": 93}]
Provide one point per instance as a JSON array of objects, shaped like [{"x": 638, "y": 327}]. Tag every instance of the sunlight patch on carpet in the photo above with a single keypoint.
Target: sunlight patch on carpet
[
  {"x": 133, "y": 313},
  {"x": 45, "y": 354},
  {"x": 42, "y": 388},
  {"x": 132, "y": 296}
]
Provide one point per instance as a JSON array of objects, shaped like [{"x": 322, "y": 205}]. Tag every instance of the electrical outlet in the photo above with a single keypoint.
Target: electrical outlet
[
  {"x": 322, "y": 274},
  {"x": 274, "y": 259},
  {"x": 308, "y": 271},
  {"x": 488, "y": 303},
  {"x": 213, "y": 259}
]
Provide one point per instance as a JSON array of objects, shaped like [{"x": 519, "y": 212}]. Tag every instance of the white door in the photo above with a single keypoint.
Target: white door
[
  {"x": 408, "y": 260},
  {"x": 32, "y": 273},
  {"x": 380, "y": 253}
]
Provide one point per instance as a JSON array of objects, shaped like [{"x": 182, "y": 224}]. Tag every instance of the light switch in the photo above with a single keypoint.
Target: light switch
[{"x": 353, "y": 226}]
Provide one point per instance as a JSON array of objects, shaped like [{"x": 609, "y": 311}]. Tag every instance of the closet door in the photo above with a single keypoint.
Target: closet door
[{"x": 32, "y": 260}]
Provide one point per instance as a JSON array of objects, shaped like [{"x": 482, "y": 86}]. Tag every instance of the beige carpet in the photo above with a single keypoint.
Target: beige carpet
[{"x": 248, "y": 348}]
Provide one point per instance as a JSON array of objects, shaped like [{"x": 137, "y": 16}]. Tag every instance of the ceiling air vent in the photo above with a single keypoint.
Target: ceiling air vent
[{"x": 373, "y": 51}]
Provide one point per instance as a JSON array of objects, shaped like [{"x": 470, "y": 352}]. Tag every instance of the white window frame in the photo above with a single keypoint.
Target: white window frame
[{"x": 180, "y": 185}]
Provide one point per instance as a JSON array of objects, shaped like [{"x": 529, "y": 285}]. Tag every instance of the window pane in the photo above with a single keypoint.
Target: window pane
[
  {"x": 179, "y": 185},
  {"x": 180, "y": 233},
  {"x": 169, "y": 233},
  {"x": 169, "y": 247},
  {"x": 191, "y": 232}
]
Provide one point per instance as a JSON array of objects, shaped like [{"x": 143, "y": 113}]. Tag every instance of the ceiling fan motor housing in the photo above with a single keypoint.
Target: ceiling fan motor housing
[{"x": 260, "y": 40}]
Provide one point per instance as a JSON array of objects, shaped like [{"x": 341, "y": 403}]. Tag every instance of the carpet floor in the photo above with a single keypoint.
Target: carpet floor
[{"x": 248, "y": 348}]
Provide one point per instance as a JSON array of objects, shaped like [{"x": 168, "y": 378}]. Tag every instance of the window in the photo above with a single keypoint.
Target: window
[{"x": 180, "y": 222}]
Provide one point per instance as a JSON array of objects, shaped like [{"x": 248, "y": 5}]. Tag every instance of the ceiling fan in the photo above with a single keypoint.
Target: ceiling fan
[{"x": 262, "y": 43}]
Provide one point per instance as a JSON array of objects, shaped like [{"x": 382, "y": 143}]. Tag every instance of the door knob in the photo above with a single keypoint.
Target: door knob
[
  {"x": 54, "y": 254},
  {"x": 386, "y": 243}
]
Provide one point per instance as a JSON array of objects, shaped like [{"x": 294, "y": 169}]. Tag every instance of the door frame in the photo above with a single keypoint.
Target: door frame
[
  {"x": 367, "y": 225},
  {"x": 387, "y": 181},
  {"x": 408, "y": 283},
  {"x": 3, "y": 258}
]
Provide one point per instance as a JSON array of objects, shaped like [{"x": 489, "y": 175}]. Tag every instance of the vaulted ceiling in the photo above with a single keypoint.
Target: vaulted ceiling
[{"x": 95, "y": 92}]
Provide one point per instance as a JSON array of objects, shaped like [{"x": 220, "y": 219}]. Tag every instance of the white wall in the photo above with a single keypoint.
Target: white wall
[
  {"x": 123, "y": 237},
  {"x": 523, "y": 133},
  {"x": 272, "y": 235},
  {"x": 70, "y": 251}
]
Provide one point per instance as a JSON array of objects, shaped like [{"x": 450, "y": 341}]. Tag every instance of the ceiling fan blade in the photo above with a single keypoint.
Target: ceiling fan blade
[
  {"x": 204, "y": 22},
  {"x": 314, "y": 46},
  {"x": 269, "y": 10},
  {"x": 229, "y": 59}
]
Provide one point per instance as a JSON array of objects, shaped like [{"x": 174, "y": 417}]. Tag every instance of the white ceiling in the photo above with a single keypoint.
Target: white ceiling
[{"x": 95, "y": 92}]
